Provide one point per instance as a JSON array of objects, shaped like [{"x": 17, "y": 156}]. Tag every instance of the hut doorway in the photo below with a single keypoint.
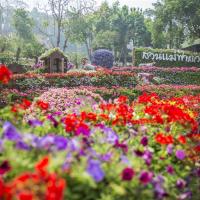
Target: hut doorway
[{"x": 56, "y": 66}]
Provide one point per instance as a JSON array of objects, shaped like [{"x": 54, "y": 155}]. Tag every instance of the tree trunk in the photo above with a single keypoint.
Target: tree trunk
[
  {"x": 58, "y": 35},
  {"x": 88, "y": 49},
  {"x": 65, "y": 45},
  {"x": 18, "y": 54}
]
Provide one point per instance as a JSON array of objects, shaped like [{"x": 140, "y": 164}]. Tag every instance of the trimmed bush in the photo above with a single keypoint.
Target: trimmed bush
[{"x": 103, "y": 58}]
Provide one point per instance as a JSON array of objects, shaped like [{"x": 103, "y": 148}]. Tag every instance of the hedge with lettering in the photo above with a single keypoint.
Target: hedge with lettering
[{"x": 166, "y": 57}]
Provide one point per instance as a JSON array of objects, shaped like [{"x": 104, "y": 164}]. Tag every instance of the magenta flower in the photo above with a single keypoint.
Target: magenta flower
[
  {"x": 180, "y": 154},
  {"x": 180, "y": 183},
  {"x": 145, "y": 177},
  {"x": 144, "y": 141},
  {"x": 170, "y": 169},
  {"x": 127, "y": 174}
]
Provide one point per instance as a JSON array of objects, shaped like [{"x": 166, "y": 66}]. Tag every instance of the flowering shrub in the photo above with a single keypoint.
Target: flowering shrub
[
  {"x": 64, "y": 100},
  {"x": 103, "y": 58},
  {"x": 145, "y": 149}
]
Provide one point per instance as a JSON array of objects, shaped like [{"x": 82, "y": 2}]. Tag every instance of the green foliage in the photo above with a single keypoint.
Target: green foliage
[
  {"x": 6, "y": 58},
  {"x": 32, "y": 49},
  {"x": 174, "y": 22},
  {"x": 51, "y": 51},
  {"x": 23, "y": 24},
  {"x": 76, "y": 58},
  {"x": 139, "y": 52}
]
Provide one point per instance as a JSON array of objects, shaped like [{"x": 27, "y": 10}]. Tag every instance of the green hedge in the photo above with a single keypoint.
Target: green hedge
[{"x": 166, "y": 57}]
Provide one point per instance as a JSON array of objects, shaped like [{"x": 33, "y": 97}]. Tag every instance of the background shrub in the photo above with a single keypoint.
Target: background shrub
[{"x": 103, "y": 58}]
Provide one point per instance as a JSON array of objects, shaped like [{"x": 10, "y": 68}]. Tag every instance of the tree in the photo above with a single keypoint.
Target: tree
[
  {"x": 59, "y": 10},
  {"x": 175, "y": 21},
  {"x": 23, "y": 25},
  {"x": 129, "y": 24}
]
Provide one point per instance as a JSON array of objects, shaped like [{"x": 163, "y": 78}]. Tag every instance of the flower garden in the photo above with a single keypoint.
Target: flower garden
[{"x": 99, "y": 135}]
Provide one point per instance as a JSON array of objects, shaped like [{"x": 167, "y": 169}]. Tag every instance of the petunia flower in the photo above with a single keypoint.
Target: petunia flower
[
  {"x": 170, "y": 169},
  {"x": 145, "y": 177},
  {"x": 35, "y": 122},
  {"x": 180, "y": 154},
  {"x": 180, "y": 183},
  {"x": 127, "y": 174},
  {"x": 144, "y": 141},
  {"x": 111, "y": 136},
  {"x": 10, "y": 132},
  {"x": 95, "y": 170},
  {"x": 170, "y": 149}
]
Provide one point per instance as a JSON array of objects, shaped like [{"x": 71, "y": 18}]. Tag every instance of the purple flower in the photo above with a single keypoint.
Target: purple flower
[
  {"x": 159, "y": 190},
  {"x": 1, "y": 145},
  {"x": 180, "y": 154},
  {"x": 60, "y": 142},
  {"x": 46, "y": 142},
  {"x": 180, "y": 183},
  {"x": 95, "y": 170},
  {"x": 170, "y": 169},
  {"x": 106, "y": 157},
  {"x": 198, "y": 172},
  {"x": 145, "y": 177},
  {"x": 10, "y": 132},
  {"x": 147, "y": 157},
  {"x": 139, "y": 153},
  {"x": 74, "y": 145},
  {"x": 144, "y": 141},
  {"x": 170, "y": 149},
  {"x": 111, "y": 136},
  {"x": 53, "y": 120},
  {"x": 124, "y": 159},
  {"x": 34, "y": 123},
  {"x": 185, "y": 195},
  {"x": 22, "y": 145}
]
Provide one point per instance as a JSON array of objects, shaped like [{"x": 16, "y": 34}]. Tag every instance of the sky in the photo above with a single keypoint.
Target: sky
[{"x": 132, "y": 3}]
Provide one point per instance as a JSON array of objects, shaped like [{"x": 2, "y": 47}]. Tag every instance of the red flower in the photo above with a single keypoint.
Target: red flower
[
  {"x": 41, "y": 166},
  {"x": 42, "y": 105},
  {"x": 162, "y": 139},
  {"x": 5, "y": 74},
  {"x": 147, "y": 98},
  {"x": 182, "y": 139},
  {"x": 26, "y": 196},
  {"x": 25, "y": 104},
  {"x": 123, "y": 99},
  {"x": 127, "y": 174}
]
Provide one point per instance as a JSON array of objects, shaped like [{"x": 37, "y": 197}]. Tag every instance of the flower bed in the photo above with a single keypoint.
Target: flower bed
[
  {"x": 73, "y": 79},
  {"x": 145, "y": 149},
  {"x": 15, "y": 95}
]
